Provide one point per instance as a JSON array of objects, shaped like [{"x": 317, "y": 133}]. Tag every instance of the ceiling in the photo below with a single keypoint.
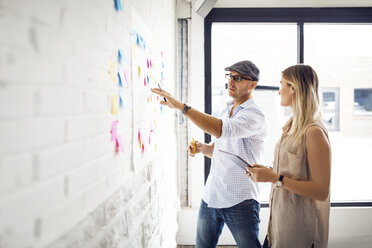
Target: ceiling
[{"x": 291, "y": 3}]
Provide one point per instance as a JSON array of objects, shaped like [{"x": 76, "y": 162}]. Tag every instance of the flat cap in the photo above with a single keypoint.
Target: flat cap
[{"x": 246, "y": 68}]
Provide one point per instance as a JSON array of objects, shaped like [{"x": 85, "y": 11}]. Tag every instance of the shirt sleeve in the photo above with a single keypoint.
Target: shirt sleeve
[{"x": 246, "y": 123}]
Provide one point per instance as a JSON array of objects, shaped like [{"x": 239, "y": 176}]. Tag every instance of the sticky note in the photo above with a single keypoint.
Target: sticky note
[
  {"x": 120, "y": 56},
  {"x": 119, "y": 144},
  {"x": 126, "y": 78},
  {"x": 113, "y": 71},
  {"x": 118, "y": 5},
  {"x": 139, "y": 138},
  {"x": 121, "y": 101},
  {"x": 139, "y": 71},
  {"x": 114, "y": 127},
  {"x": 140, "y": 42},
  {"x": 115, "y": 104},
  {"x": 120, "y": 80}
]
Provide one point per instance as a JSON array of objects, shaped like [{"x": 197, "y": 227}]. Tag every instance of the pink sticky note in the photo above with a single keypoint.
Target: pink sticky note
[
  {"x": 114, "y": 127},
  {"x": 119, "y": 144},
  {"x": 126, "y": 77}
]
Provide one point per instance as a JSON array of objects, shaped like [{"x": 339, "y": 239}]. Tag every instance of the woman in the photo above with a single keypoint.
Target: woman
[{"x": 299, "y": 201}]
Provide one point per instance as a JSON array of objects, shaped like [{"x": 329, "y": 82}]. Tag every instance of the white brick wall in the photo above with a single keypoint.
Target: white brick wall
[{"x": 61, "y": 182}]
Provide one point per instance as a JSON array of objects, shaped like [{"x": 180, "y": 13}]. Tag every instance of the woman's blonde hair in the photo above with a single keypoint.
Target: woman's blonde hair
[{"x": 305, "y": 100}]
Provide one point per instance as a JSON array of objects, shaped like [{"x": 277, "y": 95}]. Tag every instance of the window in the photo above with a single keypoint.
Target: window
[{"x": 336, "y": 43}]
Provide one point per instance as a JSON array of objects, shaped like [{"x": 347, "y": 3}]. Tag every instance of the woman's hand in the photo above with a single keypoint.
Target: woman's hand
[
  {"x": 198, "y": 148},
  {"x": 171, "y": 102},
  {"x": 260, "y": 173}
]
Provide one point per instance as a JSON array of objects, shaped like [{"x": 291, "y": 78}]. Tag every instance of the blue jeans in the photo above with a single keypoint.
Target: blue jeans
[{"x": 242, "y": 219}]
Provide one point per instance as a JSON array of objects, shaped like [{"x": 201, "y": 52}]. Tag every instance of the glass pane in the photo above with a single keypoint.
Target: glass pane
[
  {"x": 272, "y": 47},
  {"x": 363, "y": 102},
  {"x": 330, "y": 108},
  {"x": 342, "y": 56}
]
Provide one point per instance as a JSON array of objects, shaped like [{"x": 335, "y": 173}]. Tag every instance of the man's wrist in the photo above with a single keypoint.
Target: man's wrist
[
  {"x": 185, "y": 108},
  {"x": 180, "y": 105}
]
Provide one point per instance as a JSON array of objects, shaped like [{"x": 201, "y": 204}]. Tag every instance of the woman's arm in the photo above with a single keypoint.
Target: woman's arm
[{"x": 319, "y": 160}]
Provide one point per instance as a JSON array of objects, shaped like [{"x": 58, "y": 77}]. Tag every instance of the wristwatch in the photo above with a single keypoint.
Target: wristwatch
[
  {"x": 185, "y": 108},
  {"x": 279, "y": 183}
]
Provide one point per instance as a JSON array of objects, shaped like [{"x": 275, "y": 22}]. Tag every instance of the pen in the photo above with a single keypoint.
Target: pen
[
  {"x": 193, "y": 144},
  {"x": 162, "y": 90}
]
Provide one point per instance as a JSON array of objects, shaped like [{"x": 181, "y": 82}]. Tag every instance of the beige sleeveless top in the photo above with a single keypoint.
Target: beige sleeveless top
[{"x": 295, "y": 221}]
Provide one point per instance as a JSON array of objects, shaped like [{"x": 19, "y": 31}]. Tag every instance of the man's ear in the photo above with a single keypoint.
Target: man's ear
[{"x": 253, "y": 85}]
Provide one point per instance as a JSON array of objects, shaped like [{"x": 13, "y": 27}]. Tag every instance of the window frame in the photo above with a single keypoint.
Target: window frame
[{"x": 347, "y": 15}]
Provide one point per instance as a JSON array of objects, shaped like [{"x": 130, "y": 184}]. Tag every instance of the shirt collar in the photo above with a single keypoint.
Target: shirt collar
[{"x": 245, "y": 104}]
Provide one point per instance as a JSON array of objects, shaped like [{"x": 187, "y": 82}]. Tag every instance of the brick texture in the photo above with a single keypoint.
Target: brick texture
[{"x": 62, "y": 183}]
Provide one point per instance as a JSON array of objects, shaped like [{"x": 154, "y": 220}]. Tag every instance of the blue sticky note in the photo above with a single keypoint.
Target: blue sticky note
[
  {"x": 118, "y": 6},
  {"x": 121, "y": 102},
  {"x": 120, "y": 55},
  {"x": 140, "y": 41},
  {"x": 120, "y": 81}
]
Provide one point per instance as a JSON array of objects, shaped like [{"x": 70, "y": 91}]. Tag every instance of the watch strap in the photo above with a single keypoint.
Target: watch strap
[{"x": 185, "y": 108}]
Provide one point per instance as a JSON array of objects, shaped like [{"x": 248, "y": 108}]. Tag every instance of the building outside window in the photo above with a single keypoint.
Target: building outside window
[{"x": 363, "y": 102}]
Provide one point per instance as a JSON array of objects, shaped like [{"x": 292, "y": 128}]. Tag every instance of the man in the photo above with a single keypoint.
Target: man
[{"x": 230, "y": 196}]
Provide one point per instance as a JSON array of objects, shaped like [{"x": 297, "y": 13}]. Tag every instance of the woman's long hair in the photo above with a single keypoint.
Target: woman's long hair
[{"x": 305, "y": 100}]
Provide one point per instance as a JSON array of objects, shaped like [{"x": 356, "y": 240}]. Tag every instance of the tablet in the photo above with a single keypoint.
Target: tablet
[{"x": 236, "y": 159}]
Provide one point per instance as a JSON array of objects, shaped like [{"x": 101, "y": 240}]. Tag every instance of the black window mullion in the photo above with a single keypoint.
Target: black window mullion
[
  {"x": 300, "y": 42},
  {"x": 207, "y": 86}
]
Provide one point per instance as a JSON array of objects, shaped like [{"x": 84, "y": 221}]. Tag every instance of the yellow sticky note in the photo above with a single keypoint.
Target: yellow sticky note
[
  {"x": 115, "y": 104},
  {"x": 113, "y": 72},
  {"x": 139, "y": 71}
]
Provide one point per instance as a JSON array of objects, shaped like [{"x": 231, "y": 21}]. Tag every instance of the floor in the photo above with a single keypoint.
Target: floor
[{"x": 219, "y": 246}]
